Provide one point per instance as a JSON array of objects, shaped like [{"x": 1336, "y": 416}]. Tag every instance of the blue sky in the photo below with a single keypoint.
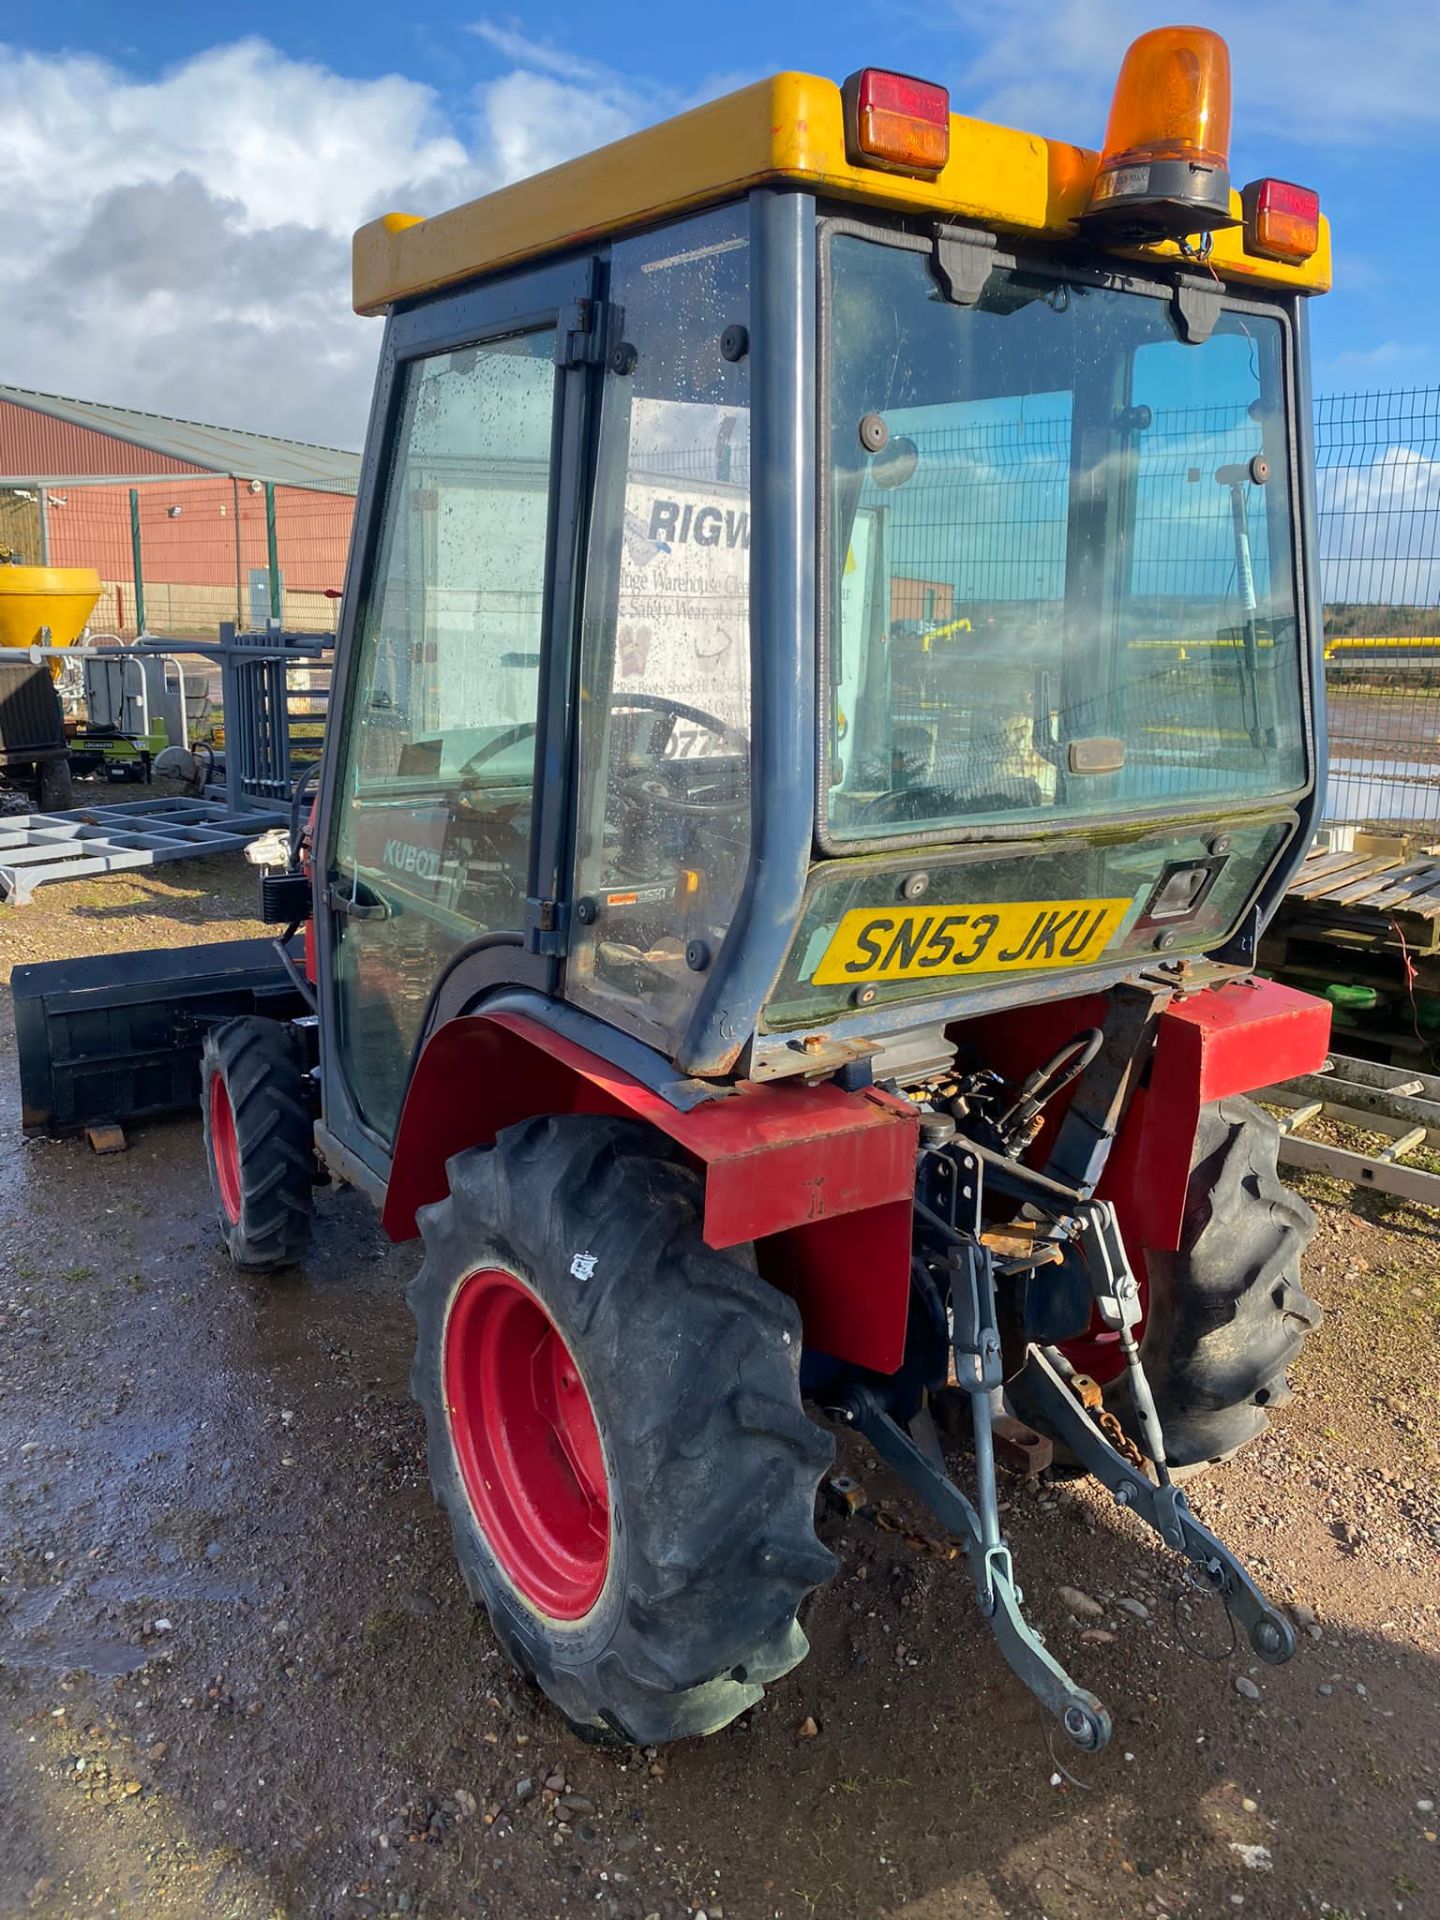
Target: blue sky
[{"x": 180, "y": 182}]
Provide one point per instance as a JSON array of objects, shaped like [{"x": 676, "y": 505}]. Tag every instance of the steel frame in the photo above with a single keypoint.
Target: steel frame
[
  {"x": 1376, "y": 1099},
  {"x": 38, "y": 848}
]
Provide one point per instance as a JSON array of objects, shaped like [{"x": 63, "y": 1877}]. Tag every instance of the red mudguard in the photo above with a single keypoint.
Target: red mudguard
[
  {"x": 822, "y": 1181},
  {"x": 1225, "y": 1040}
]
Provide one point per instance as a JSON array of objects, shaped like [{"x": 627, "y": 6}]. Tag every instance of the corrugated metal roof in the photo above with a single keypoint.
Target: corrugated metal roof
[
  {"x": 227, "y": 450},
  {"x": 34, "y": 448}
]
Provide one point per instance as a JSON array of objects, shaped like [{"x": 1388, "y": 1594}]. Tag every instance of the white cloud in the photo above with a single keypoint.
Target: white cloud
[
  {"x": 555, "y": 104},
  {"x": 1380, "y": 521},
  {"x": 536, "y": 120},
  {"x": 182, "y": 243},
  {"x": 508, "y": 37},
  {"x": 1355, "y": 361}
]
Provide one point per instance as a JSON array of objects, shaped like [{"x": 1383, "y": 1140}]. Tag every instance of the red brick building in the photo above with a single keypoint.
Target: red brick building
[{"x": 76, "y": 475}]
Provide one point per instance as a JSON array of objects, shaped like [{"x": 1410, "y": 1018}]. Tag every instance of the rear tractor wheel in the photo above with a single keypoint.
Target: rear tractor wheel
[
  {"x": 54, "y": 789},
  {"x": 1226, "y": 1313},
  {"x": 257, "y": 1142},
  {"x": 615, "y": 1430}
]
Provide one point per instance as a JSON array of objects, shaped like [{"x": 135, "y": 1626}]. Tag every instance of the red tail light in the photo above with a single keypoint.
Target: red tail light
[
  {"x": 896, "y": 123},
  {"x": 1282, "y": 221}
]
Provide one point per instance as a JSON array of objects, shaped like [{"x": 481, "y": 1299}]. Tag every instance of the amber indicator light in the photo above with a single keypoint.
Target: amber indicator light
[
  {"x": 1282, "y": 221},
  {"x": 895, "y": 122},
  {"x": 1164, "y": 169},
  {"x": 1171, "y": 101}
]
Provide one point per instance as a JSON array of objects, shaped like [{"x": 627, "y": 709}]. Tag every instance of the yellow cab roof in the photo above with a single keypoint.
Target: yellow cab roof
[{"x": 788, "y": 129}]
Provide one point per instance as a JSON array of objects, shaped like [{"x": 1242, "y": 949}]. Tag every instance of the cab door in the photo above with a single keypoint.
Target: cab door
[{"x": 440, "y": 832}]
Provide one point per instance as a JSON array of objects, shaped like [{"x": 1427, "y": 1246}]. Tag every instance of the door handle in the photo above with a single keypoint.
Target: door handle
[{"x": 354, "y": 906}]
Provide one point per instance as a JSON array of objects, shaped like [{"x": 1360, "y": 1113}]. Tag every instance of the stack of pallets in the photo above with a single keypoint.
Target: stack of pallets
[{"x": 1364, "y": 927}]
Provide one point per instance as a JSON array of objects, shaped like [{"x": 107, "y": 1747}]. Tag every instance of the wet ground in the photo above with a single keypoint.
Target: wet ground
[{"x": 239, "y": 1676}]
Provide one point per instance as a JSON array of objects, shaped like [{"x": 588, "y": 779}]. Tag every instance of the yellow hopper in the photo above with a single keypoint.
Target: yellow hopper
[{"x": 60, "y": 598}]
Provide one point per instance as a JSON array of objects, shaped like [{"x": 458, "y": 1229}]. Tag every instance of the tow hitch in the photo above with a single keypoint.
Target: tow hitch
[
  {"x": 1165, "y": 1508},
  {"x": 1089, "y": 1226},
  {"x": 1082, "y": 1716}
]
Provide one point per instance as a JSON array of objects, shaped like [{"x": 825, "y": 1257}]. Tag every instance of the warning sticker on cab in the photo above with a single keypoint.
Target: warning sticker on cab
[{"x": 922, "y": 943}]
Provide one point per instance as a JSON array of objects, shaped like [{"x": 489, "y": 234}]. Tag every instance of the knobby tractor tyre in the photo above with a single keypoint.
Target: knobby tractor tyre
[
  {"x": 615, "y": 1430},
  {"x": 258, "y": 1142},
  {"x": 1226, "y": 1313},
  {"x": 54, "y": 789}
]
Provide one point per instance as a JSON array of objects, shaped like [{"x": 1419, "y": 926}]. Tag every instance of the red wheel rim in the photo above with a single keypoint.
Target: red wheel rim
[
  {"x": 225, "y": 1148},
  {"x": 528, "y": 1446}
]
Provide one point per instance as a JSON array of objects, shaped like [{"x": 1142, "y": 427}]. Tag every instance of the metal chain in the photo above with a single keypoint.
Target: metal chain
[
  {"x": 1091, "y": 1396},
  {"x": 1120, "y": 1440},
  {"x": 887, "y": 1522}
]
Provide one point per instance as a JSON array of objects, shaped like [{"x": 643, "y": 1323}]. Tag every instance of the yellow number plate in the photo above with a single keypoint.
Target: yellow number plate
[{"x": 932, "y": 943}]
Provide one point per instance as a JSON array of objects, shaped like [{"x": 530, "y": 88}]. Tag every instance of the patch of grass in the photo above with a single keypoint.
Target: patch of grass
[
  {"x": 77, "y": 1273},
  {"x": 386, "y": 1629}
]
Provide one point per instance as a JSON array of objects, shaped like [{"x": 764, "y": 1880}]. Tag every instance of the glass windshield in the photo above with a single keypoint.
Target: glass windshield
[{"x": 1062, "y": 581}]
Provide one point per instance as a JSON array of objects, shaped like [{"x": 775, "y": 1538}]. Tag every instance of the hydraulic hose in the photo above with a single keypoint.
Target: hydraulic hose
[{"x": 1039, "y": 1088}]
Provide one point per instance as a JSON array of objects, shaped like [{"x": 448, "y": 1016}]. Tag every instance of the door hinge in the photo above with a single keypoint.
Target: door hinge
[
  {"x": 1195, "y": 306},
  {"x": 964, "y": 259},
  {"x": 588, "y": 330},
  {"x": 547, "y": 926}
]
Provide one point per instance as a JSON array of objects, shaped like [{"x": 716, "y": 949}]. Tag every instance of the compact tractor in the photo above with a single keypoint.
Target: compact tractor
[{"x": 827, "y": 698}]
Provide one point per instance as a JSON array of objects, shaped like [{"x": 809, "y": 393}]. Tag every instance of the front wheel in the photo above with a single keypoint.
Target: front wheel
[
  {"x": 615, "y": 1430},
  {"x": 257, "y": 1142}
]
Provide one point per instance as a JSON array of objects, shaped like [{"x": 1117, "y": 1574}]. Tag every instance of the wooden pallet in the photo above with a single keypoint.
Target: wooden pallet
[
  {"x": 1365, "y": 898},
  {"x": 1367, "y": 918}
]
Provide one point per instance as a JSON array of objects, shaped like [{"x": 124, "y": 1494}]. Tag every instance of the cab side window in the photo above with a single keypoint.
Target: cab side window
[
  {"x": 663, "y": 834},
  {"x": 437, "y": 785}
]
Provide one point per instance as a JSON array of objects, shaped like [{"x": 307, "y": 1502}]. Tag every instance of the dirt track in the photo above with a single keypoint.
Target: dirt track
[{"x": 239, "y": 1676}]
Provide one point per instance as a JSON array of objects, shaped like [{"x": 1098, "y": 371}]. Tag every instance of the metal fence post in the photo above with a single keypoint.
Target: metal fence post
[
  {"x": 135, "y": 556},
  {"x": 239, "y": 563},
  {"x": 272, "y": 549}
]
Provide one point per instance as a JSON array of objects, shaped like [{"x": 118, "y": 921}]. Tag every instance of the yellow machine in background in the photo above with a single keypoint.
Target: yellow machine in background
[{"x": 46, "y": 605}]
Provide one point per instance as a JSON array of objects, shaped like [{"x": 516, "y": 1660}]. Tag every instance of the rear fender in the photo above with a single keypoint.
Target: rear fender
[
  {"x": 821, "y": 1181},
  {"x": 1224, "y": 1040},
  {"x": 1227, "y": 1040}
]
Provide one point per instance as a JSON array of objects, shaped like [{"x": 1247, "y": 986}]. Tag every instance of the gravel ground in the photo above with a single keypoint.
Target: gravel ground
[{"x": 239, "y": 1676}]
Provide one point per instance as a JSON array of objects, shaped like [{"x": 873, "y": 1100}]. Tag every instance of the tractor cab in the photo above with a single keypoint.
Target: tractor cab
[
  {"x": 864, "y": 588},
  {"x": 829, "y": 688}
]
